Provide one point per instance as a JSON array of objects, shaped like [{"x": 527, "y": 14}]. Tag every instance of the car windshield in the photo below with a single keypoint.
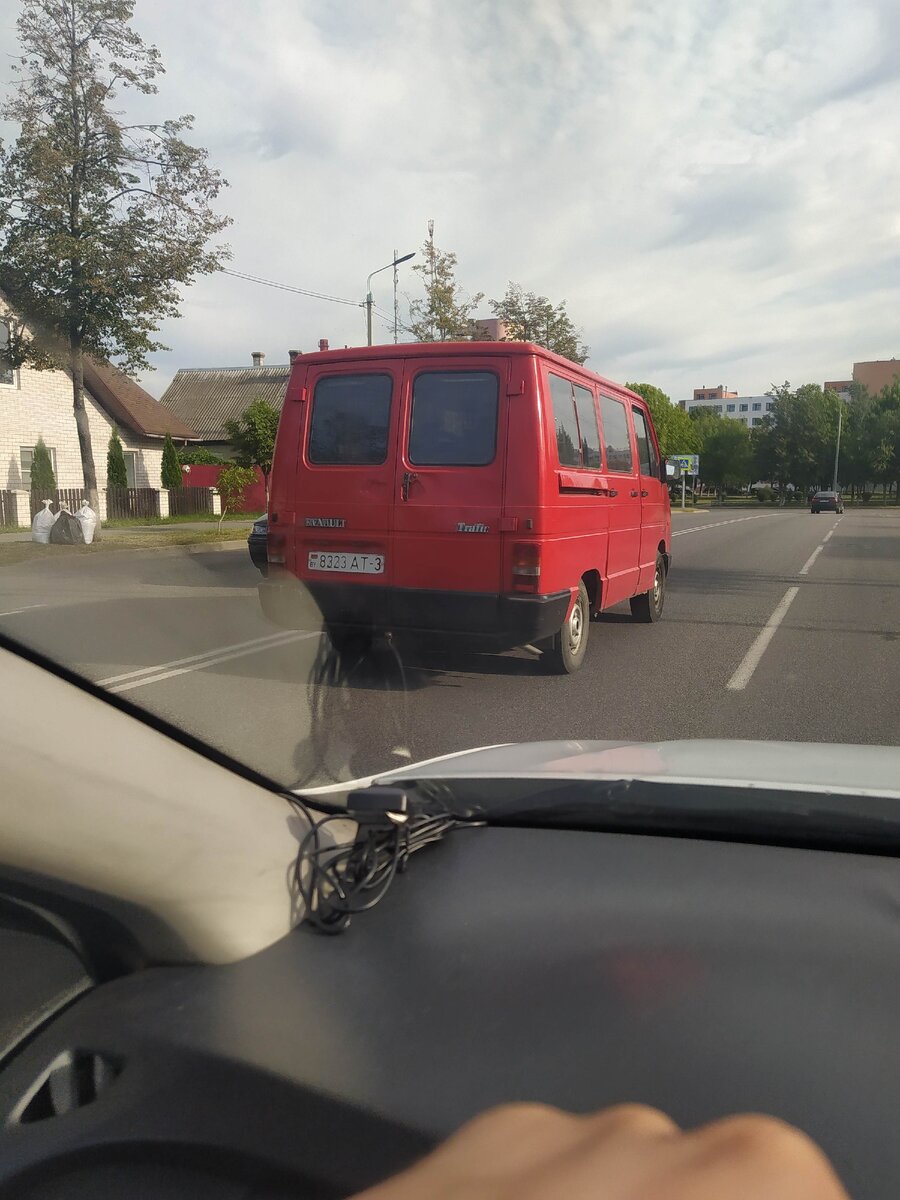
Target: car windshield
[{"x": 456, "y": 376}]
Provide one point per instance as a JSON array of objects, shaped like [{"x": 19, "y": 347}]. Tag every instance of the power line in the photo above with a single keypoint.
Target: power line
[{"x": 284, "y": 287}]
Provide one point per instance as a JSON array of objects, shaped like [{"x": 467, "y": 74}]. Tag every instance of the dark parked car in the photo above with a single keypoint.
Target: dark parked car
[
  {"x": 256, "y": 544},
  {"x": 826, "y": 502}
]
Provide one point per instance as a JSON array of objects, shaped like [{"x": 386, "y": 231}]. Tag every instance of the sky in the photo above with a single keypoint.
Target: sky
[{"x": 712, "y": 186}]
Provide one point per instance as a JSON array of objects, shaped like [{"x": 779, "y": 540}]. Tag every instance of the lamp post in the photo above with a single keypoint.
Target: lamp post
[
  {"x": 369, "y": 301},
  {"x": 837, "y": 450}
]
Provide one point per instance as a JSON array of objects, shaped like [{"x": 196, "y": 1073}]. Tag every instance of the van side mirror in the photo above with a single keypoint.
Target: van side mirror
[{"x": 664, "y": 470}]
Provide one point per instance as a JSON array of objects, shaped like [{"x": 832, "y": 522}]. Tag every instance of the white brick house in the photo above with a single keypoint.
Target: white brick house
[{"x": 37, "y": 404}]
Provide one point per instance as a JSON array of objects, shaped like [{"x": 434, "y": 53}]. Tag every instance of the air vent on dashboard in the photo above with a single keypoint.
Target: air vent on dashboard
[{"x": 74, "y": 1079}]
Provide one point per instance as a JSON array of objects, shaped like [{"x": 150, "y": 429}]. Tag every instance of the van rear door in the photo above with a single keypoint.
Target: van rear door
[
  {"x": 345, "y": 488},
  {"x": 654, "y": 497},
  {"x": 446, "y": 549}
]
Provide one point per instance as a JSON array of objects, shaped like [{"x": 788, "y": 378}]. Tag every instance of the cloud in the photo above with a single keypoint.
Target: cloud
[{"x": 711, "y": 185}]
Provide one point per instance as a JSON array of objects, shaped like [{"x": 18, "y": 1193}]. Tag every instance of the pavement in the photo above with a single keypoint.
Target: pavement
[{"x": 778, "y": 625}]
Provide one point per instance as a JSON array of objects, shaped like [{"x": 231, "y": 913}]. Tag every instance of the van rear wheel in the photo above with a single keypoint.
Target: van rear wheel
[
  {"x": 568, "y": 648},
  {"x": 648, "y": 606}
]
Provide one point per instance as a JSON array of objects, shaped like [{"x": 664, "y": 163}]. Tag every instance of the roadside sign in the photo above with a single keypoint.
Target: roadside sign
[{"x": 689, "y": 463}]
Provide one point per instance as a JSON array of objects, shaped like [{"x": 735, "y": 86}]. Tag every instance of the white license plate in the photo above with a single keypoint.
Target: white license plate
[{"x": 348, "y": 563}]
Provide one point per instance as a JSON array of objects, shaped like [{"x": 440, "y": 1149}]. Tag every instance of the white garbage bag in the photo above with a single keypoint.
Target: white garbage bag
[
  {"x": 87, "y": 519},
  {"x": 42, "y": 524}
]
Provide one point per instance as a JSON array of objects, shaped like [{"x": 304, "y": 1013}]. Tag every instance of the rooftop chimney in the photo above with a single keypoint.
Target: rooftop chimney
[
  {"x": 258, "y": 358},
  {"x": 323, "y": 343},
  {"x": 292, "y": 354}
]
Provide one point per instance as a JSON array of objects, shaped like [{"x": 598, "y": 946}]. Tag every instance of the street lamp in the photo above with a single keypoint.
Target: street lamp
[
  {"x": 837, "y": 449},
  {"x": 368, "y": 300}
]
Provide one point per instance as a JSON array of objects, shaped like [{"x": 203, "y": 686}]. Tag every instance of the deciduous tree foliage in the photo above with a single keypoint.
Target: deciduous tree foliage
[
  {"x": 253, "y": 436},
  {"x": 233, "y": 482},
  {"x": 101, "y": 222},
  {"x": 446, "y": 312},
  {"x": 675, "y": 431},
  {"x": 532, "y": 318}
]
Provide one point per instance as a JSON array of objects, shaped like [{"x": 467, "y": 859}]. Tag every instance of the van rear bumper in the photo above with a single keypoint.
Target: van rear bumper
[{"x": 512, "y": 619}]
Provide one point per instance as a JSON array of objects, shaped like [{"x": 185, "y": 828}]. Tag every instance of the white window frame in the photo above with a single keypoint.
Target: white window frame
[{"x": 26, "y": 476}]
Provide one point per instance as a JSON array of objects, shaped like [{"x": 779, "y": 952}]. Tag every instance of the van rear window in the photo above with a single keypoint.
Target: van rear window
[
  {"x": 350, "y": 419},
  {"x": 454, "y": 419},
  {"x": 616, "y": 436}
]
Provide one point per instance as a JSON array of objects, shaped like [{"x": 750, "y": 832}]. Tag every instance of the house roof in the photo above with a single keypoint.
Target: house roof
[
  {"x": 206, "y": 397},
  {"x": 129, "y": 405}
]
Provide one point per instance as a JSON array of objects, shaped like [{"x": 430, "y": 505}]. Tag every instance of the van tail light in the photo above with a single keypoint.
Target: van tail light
[
  {"x": 526, "y": 566},
  {"x": 276, "y": 544}
]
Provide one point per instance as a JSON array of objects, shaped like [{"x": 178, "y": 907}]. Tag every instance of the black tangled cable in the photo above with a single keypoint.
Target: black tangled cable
[{"x": 335, "y": 879}]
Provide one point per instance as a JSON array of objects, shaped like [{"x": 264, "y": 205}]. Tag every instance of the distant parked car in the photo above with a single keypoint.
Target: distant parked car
[
  {"x": 256, "y": 544},
  {"x": 826, "y": 502}
]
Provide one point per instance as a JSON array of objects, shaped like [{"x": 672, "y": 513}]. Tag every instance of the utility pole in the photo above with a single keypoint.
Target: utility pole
[
  {"x": 837, "y": 449},
  {"x": 396, "y": 309}
]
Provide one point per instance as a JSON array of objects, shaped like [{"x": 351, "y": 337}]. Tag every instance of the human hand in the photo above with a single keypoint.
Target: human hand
[{"x": 534, "y": 1152}]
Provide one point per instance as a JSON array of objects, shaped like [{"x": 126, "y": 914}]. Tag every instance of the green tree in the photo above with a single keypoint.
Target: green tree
[
  {"x": 116, "y": 474},
  {"x": 42, "y": 477},
  {"x": 253, "y": 436},
  {"x": 726, "y": 455},
  {"x": 233, "y": 482},
  {"x": 101, "y": 222},
  {"x": 675, "y": 431},
  {"x": 532, "y": 318},
  {"x": 445, "y": 314},
  {"x": 200, "y": 456},
  {"x": 795, "y": 443},
  {"x": 171, "y": 467}
]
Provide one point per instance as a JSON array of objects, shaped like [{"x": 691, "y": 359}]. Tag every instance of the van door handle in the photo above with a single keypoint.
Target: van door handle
[
  {"x": 408, "y": 478},
  {"x": 645, "y": 493},
  {"x": 634, "y": 491},
  {"x": 613, "y": 492}
]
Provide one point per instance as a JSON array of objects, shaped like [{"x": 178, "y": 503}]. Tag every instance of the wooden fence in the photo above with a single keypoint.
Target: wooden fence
[
  {"x": 8, "y": 508},
  {"x": 190, "y": 501},
  {"x": 124, "y": 503},
  {"x": 70, "y": 498}
]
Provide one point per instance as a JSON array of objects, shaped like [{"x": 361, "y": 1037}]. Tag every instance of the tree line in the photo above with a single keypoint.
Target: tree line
[{"x": 793, "y": 447}]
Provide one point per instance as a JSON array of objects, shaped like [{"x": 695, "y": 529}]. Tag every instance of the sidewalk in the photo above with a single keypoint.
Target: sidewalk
[{"x": 143, "y": 530}]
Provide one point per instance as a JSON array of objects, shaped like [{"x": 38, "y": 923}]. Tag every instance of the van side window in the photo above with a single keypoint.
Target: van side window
[
  {"x": 454, "y": 419},
  {"x": 646, "y": 449},
  {"x": 615, "y": 433},
  {"x": 568, "y": 442},
  {"x": 588, "y": 427},
  {"x": 350, "y": 419}
]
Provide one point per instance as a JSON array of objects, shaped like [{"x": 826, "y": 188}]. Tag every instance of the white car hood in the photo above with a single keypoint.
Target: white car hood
[{"x": 794, "y": 766}]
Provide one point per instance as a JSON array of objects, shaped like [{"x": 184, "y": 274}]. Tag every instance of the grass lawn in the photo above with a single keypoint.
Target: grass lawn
[
  {"x": 205, "y": 518},
  {"x": 18, "y": 552}
]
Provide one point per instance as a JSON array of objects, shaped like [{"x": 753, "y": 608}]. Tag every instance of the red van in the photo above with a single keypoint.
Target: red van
[{"x": 478, "y": 488}]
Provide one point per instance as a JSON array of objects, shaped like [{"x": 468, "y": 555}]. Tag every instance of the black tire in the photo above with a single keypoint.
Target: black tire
[
  {"x": 648, "y": 606},
  {"x": 568, "y": 648},
  {"x": 347, "y": 639}
]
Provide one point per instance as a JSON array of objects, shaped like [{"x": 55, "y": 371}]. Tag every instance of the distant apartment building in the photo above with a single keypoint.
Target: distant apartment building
[
  {"x": 840, "y": 386},
  {"x": 748, "y": 409},
  {"x": 874, "y": 376}
]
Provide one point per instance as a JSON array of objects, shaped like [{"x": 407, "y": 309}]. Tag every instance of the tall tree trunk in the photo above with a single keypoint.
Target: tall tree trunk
[{"x": 76, "y": 361}]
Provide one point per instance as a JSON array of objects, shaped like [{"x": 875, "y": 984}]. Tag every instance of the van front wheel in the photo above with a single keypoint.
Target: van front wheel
[
  {"x": 649, "y": 605},
  {"x": 569, "y": 647}
]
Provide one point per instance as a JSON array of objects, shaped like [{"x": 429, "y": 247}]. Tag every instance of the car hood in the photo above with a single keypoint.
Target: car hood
[{"x": 791, "y": 766}]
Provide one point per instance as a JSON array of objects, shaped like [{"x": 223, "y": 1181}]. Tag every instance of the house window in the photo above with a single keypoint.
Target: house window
[
  {"x": 26, "y": 457},
  {"x": 757, "y": 420},
  {"x": 769, "y": 406},
  {"x": 7, "y": 372},
  {"x": 757, "y": 407},
  {"x": 130, "y": 457},
  {"x": 730, "y": 407},
  {"x": 745, "y": 408},
  {"x": 717, "y": 408}
]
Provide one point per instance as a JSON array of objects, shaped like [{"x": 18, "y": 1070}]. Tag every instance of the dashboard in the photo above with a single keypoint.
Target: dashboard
[{"x": 579, "y": 969}]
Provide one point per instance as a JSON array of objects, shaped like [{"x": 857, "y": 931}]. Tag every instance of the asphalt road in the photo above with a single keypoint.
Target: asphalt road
[{"x": 778, "y": 625}]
